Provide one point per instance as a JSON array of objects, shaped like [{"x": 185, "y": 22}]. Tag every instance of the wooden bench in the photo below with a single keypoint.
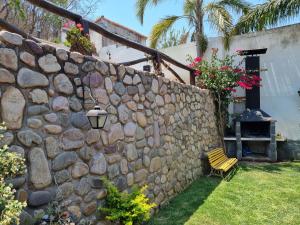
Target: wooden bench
[{"x": 219, "y": 162}]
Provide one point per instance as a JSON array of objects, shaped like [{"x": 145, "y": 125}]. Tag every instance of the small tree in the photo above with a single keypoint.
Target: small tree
[
  {"x": 12, "y": 164},
  {"x": 222, "y": 77}
]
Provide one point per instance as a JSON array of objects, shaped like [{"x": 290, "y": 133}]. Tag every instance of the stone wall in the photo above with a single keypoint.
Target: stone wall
[{"x": 155, "y": 133}]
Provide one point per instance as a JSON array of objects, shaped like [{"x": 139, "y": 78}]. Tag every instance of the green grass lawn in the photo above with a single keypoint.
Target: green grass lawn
[{"x": 257, "y": 194}]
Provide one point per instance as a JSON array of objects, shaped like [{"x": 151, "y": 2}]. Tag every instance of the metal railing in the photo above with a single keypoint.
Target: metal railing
[{"x": 157, "y": 56}]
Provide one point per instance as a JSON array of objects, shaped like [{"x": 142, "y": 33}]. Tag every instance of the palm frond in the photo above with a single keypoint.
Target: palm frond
[
  {"x": 218, "y": 17},
  {"x": 141, "y": 6},
  {"x": 239, "y": 6},
  {"x": 268, "y": 14},
  {"x": 189, "y": 7},
  {"x": 161, "y": 28}
]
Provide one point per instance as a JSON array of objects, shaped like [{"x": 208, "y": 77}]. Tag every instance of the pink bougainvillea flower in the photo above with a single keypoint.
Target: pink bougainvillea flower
[
  {"x": 197, "y": 73},
  {"x": 81, "y": 29},
  {"x": 78, "y": 25},
  {"x": 238, "y": 50},
  {"x": 198, "y": 59},
  {"x": 192, "y": 65},
  {"x": 244, "y": 85},
  {"x": 225, "y": 68}
]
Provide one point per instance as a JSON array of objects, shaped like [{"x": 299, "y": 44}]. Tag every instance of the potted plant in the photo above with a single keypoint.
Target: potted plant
[{"x": 79, "y": 42}]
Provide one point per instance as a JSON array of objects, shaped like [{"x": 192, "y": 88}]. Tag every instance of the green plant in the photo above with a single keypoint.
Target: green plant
[
  {"x": 12, "y": 165},
  {"x": 222, "y": 77},
  {"x": 78, "y": 41},
  {"x": 218, "y": 13},
  {"x": 128, "y": 209}
]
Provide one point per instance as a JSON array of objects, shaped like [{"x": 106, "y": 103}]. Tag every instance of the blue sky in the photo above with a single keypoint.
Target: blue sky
[{"x": 123, "y": 12}]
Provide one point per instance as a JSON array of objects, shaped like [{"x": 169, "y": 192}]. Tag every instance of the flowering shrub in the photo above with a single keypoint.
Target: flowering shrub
[
  {"x": 126, "y": 209},
  {"x": 79, "y": 42},
  {"x": 12, "y": 164},
  {"x": 222, "y": 77}
]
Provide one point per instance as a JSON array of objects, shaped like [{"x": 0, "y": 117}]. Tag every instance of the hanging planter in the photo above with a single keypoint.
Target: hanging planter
[{"x": 79, "y": 42}]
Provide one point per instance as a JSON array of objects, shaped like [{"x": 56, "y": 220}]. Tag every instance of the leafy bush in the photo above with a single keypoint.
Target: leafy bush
[
  {"x": 12, "y": 165},
  {"x": 128, "y": 209},
  {"x": 79, "y": 42}
]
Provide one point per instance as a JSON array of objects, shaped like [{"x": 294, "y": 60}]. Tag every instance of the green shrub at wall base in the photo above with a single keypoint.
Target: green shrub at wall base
[{"x": 127, "y": 209}]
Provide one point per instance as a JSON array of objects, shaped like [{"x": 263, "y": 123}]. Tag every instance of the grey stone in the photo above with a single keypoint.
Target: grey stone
[
  {"x": 51, "y": 117},
  {"x": 155, "y": 164},
  {"x": 121, "y": 71},
  {"x": 28, "y": 79},
  {"x": 34, "y": 47},
  {"x": 92, "y": 136},
  {"x": 11, "y": 38},
  {"x": 108, "y": 85},
  {"x": 72, "y": 139},
  {"x": 154, "y": 86},
  {"x": 18, "y": 150},
  {"x": 141, "y": 144},
  {"x": 156, "y": 134},
  {"x": 62, "y": 54},
  {"x": 90, "y": 196},
  {"x": 141, "y": 119},
  {"x": 8, "y": 58},
  {"x": 39, "y": 198},
  {"x": 60, "y": 103},
  {"x": 159, "y": 100},
  {"x": 88, "y": 66},
  {"x": 93, "y": 79},
  {"x": 100, "y": 95},
  {"x": 34, "y": 123},
  {"x": 113, "y": 171},
  {"x": 6, "y": 76},
  {"x": 62, "y": 84},
  {"x": 89, "y": 209},
  {"x": 116, "y": 133},
  {"x": 28, "y": 138},
  {"x": 49, "y": 64},
  {"x": 71, "y": 68},
  {"x": 7, "y": 139},
  {"x": 83, "y": 187},
  {"x": 140, "y": 133},
  {"x": 102, "y": 67},
  {"x": 79, "y": 169},
  {"x": 131, "y": 152},
  {"x": 62, "y": 176},
  {"x": 65, "y": 190},
  {"x": 80, "y": 120},
  {"x": 37, "y": 110},
  {"x": 75, "y": 104},
  {"x": 39, "y": 171},
  {"x": 52, "y": 147},
  {"x": 98, "y": 164},
  {"x": 27, "y": 58},
  {"x": 127, "y": 80},
  {"x": 124, "y": 166},
  {"x": 53, "y": 129},
  {"x": 150, "y": 96},
  {"x": 130, "y": 129},
  {"x": 115, "y": 99},
  {"x": 123, "y": 113},
  {"x": 132, "y": 90},
  {"x": 86, "y": 153},
  {"x": 77, "y": 57},
  {"x": 96, "y": 182},
  {"x": 12, "y": 104},
  {"x": 136, "y": 79},
  {"x": 64, "y": 160},
  {"x": 39, "y": 96},
  {"x": 16, "y": 182},
  {"x": 140, "y": 175},
  {"x": 119, "y": 88}
]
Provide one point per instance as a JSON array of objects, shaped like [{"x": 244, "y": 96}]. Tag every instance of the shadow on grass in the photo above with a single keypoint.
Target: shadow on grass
[
  {"x": 182, "y": 207},
  {"x": 270, "y": 167}
]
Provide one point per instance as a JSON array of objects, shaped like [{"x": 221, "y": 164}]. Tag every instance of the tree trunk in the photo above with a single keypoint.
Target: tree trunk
[{"x": 199, "y": 27}]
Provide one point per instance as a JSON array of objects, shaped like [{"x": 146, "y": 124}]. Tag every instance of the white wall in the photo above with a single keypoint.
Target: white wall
[{"x": 280, "y": 83}]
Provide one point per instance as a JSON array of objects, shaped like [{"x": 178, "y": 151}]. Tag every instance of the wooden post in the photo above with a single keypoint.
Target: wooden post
[{"x": 192, "y": 78}]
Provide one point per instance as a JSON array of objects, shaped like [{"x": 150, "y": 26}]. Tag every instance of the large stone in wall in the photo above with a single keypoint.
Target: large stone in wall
[
  {"x": 6, "y": 76},
  {"x": 98, "y": 164},
  {"x": 8, "y": 58},
  {"x": 63, "y": 84},
  {"x": 49, "y": 64},
  {"x": 12, "y": 108},
  {"x": 116, "y": 133},
  {"x": 72, "y": 139},
  {"x": 64, "y": 160},
  {"x": 11, "y": 38},
  {"x": 39, "y": 171},
  {"x": 28, "y": 138},
  {"x": 28, "y": 79}
]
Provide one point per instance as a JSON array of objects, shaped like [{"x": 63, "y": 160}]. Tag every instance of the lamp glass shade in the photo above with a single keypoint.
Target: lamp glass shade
[{"x": 97, "y": 117}]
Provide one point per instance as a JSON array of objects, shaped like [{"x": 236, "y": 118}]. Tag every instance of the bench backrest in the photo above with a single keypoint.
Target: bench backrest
[{"x": 216, "y": 157}]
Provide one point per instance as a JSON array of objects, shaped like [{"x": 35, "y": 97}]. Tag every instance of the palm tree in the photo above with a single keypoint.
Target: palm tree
[
  {"x": 269, "y": 14},
  {"x": 217, "y": 12}
]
